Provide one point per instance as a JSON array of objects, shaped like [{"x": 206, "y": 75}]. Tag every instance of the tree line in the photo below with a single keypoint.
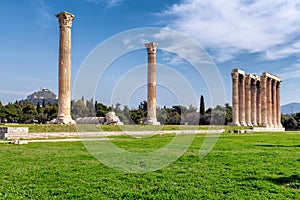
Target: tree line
[
  {"x": 26, "y": 112},
  {"x": 291, "y": 122},
  {"x": 174, "y": 115}
]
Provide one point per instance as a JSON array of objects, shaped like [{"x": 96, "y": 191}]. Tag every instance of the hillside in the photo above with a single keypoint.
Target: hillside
[
  {"x": 43, "y": 96},
  {"x": 290, "y": 108}
]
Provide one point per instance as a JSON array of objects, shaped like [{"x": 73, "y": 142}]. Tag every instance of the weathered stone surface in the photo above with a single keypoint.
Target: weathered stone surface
[
  {"x": 256, "y": 99},
  {"x": 13, "y": 132},
  {"x": 65, "y": 20},
  {"x": 248, "y": 109},
  {"x": 151, "y": 100},
  {"x": 268, "y": 129},
  {"x": 235, "y": 98},
  {"x": 90, "y": 120},
  {"x": 112, "y": 118}
]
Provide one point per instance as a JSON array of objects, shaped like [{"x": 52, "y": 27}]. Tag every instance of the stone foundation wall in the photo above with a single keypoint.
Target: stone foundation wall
[{"x": 14, "y": 132}]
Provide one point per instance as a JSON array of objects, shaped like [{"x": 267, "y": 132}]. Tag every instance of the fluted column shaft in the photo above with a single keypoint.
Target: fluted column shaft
[
  {"x": 263, "y": 92},
  {"x": 278, "y": 104},
  {"x": 64, "y": 68},
  {"x": 235, "y": 99},
  {"x": 253, "y": 103},
  {"x": 258, "y": 104},
  {"x": 269, "y": 103},
  {"x": 248, "y": 110},
  {"x": 151, "y": 104},
  {"x": 242, "y": 100},
  {"x": 274, "y": 104}
]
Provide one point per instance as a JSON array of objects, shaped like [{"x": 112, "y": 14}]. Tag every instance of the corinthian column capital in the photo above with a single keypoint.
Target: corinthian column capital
[
  {"x": 65, "y": 19},
  {"x": 151, "y": 47}
]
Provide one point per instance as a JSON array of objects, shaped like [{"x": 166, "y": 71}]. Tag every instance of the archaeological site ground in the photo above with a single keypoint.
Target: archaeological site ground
[
  {"x": 250, "y": 156},
  {"x": 240, "y": 166}
]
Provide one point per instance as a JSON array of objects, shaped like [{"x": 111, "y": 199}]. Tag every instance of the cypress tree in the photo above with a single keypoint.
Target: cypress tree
[
  {"x": 202, "y": 110},
  {"x": 202, "y": 106}
]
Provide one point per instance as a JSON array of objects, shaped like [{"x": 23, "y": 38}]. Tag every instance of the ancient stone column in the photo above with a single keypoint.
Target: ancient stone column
[
  {"x": 65, "y": 20},
  {"x": 274, "y": 103},
  {"x": 263, "y": 94},
  {"x": 253, "y": 102},
  {"x": 278, "y": 104},
  {"x": 258, "y": 104},
  {"x": 235, "y": 97},
  {"x": 269, "y": 103},
  {"x": 242, "y": 99},
  {"x": 248, "y": 100},
  {"x": 151, "y": 104}
]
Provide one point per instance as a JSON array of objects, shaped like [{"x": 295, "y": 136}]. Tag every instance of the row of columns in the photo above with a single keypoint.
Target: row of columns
[{"x": 255, "y": 99}]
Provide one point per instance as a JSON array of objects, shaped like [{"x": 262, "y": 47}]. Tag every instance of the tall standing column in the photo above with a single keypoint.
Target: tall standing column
[
  {"x": 248, "y": 100},
  {"x": 263, "y": 94},
  {"x": 151, "y": 104},
  {"x": 242, "y": 99},
  {"x": 258, "y": 104},
  {"x": 253, "y": 104},
  {"x": 278, "y": 104},
  {"x": 274, "y": 104},
  {"x": 65, "y": 20},
  {"x": 235, "y": 98},
  {"x": 269, "y": 102}
]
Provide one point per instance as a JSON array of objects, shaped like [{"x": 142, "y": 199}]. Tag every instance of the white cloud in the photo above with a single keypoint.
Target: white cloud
[
  {"x": 172, "y": 59},
  {"x": 283, "y": 52},
  {"x": 109, "y": 3},
  {"x": 13, "y": 92},
  {"x": 183, "y": 46},
  {"x": 34, "y": 79},
  {"x": 168, "y": 40},
  {"x": 112, "y": 3},
  {"x": 45, "y": 15},
  {"x": 291, "y": 72},
  {"x": 235, "y": 26}
]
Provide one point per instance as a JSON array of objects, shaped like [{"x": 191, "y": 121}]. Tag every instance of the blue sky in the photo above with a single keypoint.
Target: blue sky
[{"x": 255, "y": 36}]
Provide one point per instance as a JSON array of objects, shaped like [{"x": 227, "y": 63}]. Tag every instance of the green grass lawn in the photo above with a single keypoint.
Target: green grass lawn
[
  {"x": 42, "y": 128},
  {"x": 241, "y": 166}
]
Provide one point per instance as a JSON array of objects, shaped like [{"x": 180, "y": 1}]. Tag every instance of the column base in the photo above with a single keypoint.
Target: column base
[
  {"x": 236, "y": 124},
  {"x": 263, "y": 125},
  {"x": 151, "y": 122},
  {"x": 249, "y": 124},
  {"x": 243, "y": 124},
  {"x": 63, "y": 120},
  {"x": 270, "y": 125}
]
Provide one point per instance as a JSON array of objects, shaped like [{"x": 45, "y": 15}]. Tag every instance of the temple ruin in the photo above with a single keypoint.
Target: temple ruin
[{"x": 255, "y": 99}]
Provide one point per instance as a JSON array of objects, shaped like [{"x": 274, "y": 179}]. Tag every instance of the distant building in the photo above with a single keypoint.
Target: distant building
[{"x": 43, "y": 96}]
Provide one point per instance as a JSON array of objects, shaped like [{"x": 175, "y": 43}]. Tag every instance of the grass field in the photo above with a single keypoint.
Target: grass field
[
  {"x": 241, "y": 166},
  {"x": 42, "y": 128}
]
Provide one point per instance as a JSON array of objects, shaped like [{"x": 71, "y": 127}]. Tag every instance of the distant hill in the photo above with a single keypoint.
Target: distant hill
[
  {"x": 42, "y": 96},
  {"x": 291, "y": 107}
]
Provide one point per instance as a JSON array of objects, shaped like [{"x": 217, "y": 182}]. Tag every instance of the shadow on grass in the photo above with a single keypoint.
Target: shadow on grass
[
  {"x": 276, "y": 145},
  {"x": 292, "y": 181}
]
